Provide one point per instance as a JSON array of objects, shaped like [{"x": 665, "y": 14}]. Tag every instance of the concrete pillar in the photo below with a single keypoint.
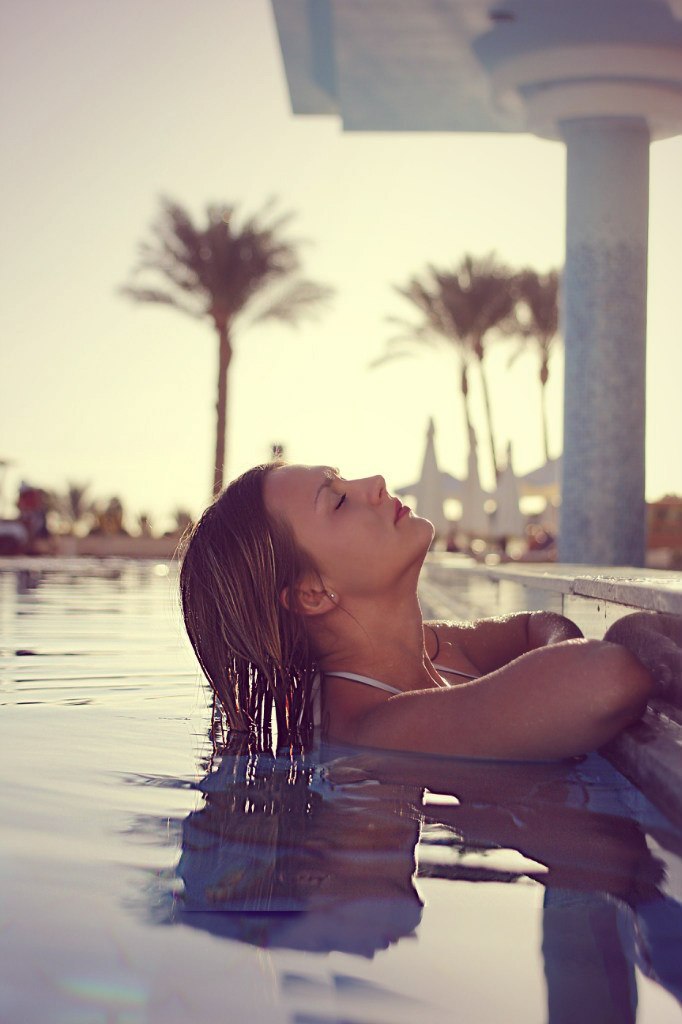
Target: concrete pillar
[{"x": 604, "y": 326}]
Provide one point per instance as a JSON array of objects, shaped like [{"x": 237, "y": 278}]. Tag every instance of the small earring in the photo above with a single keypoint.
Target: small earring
[{"x": 332, "y": 597}]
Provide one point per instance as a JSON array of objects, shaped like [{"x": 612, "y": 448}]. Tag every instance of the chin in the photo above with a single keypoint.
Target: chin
[
  {"x": 426, "y": 533},
  {"x": 429, "y": 529}
]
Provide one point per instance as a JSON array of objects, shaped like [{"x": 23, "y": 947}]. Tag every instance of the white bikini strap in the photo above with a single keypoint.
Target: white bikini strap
[
  {"x": 453, "y": 671},
  {"x": 355, "y": 678}
]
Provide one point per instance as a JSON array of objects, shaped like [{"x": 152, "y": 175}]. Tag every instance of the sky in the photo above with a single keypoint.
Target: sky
[{"x": 105, "y": 108}]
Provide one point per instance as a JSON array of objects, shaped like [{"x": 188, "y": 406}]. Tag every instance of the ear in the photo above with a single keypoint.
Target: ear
[{"x": 307, "y": 598}]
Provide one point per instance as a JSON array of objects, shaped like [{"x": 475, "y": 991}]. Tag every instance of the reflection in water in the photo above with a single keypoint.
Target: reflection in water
[
  {"x": 323, "y": 854},
  {"x": 27, "y": 580},
  {"x": 279, "y": 835}
]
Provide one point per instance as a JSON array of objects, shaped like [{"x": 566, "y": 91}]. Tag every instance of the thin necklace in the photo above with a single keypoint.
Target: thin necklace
[{"x": 435, "y": 636}]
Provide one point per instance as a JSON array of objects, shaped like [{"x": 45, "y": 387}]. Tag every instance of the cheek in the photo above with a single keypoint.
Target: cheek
[
  {"x": 330, "y": 550},
  {"x": 349, "y": 556}
]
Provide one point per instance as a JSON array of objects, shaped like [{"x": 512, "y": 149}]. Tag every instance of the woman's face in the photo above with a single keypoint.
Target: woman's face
[{"x": 361, "y": 539}]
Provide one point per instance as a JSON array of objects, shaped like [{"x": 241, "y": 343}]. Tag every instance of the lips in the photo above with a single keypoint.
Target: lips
[{"x": 400, "y": 510}]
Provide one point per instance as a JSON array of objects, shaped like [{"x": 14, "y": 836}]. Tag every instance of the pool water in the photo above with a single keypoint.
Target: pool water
[{"x": 148, "y": 877}]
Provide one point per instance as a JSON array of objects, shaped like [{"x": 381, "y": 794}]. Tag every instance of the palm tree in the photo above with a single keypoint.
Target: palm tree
[
  {"x": 462, "y": 307},
  {"x": 537, "y": 322},
  {"x": 77, "y": 504},
  {"x": 219, "y": 273},
  {"x": 183, "y": 520},
  {"x": 70, "y": 508},
  {"x": 144, "y": 522},
  {"x": 436, "y": 324}
]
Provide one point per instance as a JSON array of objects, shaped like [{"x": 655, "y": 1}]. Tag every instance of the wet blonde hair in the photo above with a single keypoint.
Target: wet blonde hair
[{"x": 254, "y": 651}]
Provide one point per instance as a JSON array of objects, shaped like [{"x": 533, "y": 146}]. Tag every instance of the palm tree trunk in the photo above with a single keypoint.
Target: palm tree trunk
[
  {"x": 545, "y": 440},
  {"x": 224, "y": 357},
  {"x": 464, "y": 387},
  {"x": 544, "y": 374},
  {"x": 489, "y": 416}
]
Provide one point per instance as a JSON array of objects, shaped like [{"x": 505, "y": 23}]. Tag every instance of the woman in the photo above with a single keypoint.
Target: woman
[{"x": 299, "y": 592}]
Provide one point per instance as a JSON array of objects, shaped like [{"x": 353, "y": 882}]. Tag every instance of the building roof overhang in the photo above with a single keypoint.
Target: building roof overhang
[{"x": 475, "y": 66}]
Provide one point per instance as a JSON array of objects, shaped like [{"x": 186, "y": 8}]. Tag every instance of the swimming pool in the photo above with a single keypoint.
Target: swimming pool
[{"x": 137, "y": 866}]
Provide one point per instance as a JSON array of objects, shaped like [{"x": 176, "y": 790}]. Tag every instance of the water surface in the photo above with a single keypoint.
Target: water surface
[{"x": 148, "y": 878}]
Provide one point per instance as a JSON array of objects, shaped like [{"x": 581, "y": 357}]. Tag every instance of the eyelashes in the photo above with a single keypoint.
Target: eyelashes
[{"x": 341, "y": 501}]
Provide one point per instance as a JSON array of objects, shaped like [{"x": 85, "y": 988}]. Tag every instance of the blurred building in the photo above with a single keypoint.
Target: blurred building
[{"x": 664, "y": 532}]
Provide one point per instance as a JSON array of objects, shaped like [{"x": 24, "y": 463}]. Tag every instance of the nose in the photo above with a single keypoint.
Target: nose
[{"x": 373, "y": 488}]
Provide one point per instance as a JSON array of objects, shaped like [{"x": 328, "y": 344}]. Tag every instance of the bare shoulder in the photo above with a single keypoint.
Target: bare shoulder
[
  {"x": 446, "y": 644},
  {"x": 449, "y": 631},
  {"x": 458, "y": 629},
  {"x": 492, "y": 642},
  {"x": 486, "y": 643}
]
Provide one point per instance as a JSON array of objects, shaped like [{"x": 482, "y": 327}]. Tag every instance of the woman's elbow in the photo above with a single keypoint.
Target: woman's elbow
[{"x": 626, "y": 684}]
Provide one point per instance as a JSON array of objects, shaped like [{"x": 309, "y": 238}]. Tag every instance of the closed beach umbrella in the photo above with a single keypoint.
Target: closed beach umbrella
[
  {"x": 508, "y": 520},
  {"x": 451, "y": 486},
  {"x": 474, "y": 519},
  {"x": 545, "y": 482},
  {"x": 542, "y": 481},
  {"x": 429, "y": 490}
]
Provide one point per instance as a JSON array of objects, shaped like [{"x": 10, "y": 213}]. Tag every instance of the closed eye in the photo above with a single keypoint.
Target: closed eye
[{"x": 341, "y": 501}]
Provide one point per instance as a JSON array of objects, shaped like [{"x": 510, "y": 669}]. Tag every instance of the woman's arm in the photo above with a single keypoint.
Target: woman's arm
[
  {"x": 555, "y": 701},
  {"x": 491, "y": 643}
]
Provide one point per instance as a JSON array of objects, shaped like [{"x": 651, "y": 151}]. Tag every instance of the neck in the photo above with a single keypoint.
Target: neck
[{"x": 382, "y": 638}]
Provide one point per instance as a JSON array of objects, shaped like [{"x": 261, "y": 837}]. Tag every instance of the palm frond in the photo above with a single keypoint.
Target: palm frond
[
  {"x": 461, "y": 307},
  {"x": 407, "y": 342},
  {"x": 228, "y": 268},
  {"x": 162, "y": 298},
  {"x": 417, "y": 334},
  {"x": 389, "y": 356},
  {"x": 300, "y": 299},
  {"x": 539, "y": 295}
]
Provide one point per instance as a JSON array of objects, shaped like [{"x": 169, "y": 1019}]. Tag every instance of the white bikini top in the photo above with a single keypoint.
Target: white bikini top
[{"x": 368, "y": 681}]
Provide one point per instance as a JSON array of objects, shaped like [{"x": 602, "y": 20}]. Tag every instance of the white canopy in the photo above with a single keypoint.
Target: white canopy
[
  {"x": 474, "y": 519},
  {"x": 429, "y": 490},
  {"x": 508, "y": 520}
]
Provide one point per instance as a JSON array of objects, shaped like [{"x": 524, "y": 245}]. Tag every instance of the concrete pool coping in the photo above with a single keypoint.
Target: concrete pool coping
[
  {"x": 651, "y": 589},
  {"x": 649, "y": 753}
]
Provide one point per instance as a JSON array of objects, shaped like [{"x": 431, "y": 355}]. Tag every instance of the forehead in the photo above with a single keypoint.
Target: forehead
[{"x": 291, "y": 487}]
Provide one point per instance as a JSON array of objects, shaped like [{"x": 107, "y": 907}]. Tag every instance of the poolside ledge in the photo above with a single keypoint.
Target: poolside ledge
[{"x": 650, "y": 752}]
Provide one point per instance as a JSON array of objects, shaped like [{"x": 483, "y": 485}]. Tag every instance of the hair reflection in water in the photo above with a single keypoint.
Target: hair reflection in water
[
  {"x": 314, "y": 857},
  {"x": 291, "y": 852}
]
